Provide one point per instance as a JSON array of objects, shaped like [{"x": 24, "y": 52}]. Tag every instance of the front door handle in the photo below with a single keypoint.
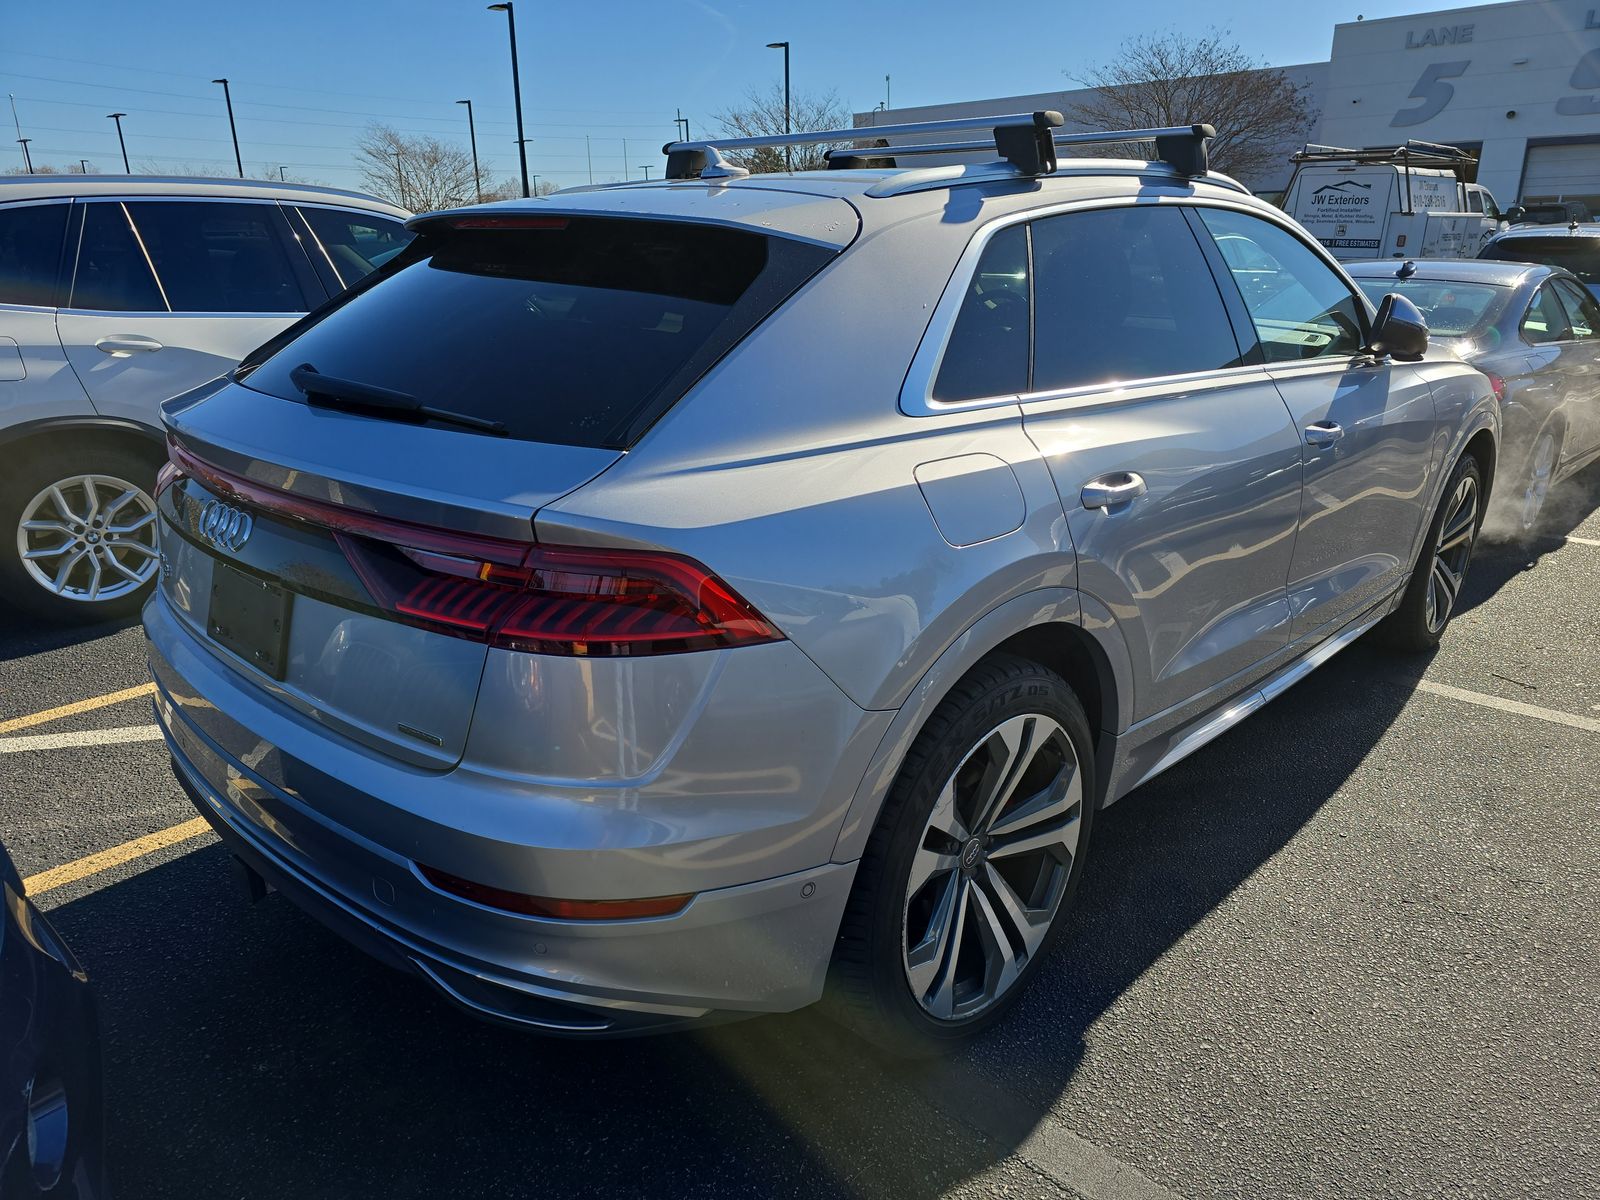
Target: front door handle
[
  {"x": 1323, "y": 433},
  {"x": 120, "y": 345},
  {"x": 1108, "y": 491}
]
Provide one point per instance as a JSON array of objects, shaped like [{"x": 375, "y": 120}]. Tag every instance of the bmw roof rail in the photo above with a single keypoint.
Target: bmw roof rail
[{"x": 1026, "y": 141}]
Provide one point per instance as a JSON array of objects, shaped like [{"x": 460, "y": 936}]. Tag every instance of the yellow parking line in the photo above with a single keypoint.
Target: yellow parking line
[
  {"x": 77, "y": 706},
  {"x": 93, "y": 864}
]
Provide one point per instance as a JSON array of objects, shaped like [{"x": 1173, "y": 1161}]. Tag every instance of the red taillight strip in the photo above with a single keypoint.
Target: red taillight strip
[
  {"x": 545, "y": 906},
  {"x": 503, "y": 551}
]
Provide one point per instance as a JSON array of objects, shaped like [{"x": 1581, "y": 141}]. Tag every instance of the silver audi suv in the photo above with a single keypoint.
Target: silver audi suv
[{"x": 674, "y": 600}]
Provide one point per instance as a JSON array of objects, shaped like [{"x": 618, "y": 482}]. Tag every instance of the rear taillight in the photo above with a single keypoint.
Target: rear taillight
[
  {"x": 521, "y": 595},
  {"x": 1497, "y": 384},
  {"x": 166, "y": 477}
]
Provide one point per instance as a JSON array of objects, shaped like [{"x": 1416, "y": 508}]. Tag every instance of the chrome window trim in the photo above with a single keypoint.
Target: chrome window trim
[
  {"x": 916, "y": 392},
  {"x": 149, "y": 262}
]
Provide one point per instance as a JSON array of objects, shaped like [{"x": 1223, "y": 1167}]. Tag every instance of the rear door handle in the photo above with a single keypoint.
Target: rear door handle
[
  {"x": 121, "y": 345},
  {"x": 1323, "y": 433},
  {"x": 1108, "y": 491}
]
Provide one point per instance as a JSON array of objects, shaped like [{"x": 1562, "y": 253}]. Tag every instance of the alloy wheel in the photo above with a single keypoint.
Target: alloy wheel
[
  {"x": 89, "y": 538},
  {"x": 1540, "y": 472},
  {"x": 1452, "y": 553},
  {"x": 992, "y": 866}
]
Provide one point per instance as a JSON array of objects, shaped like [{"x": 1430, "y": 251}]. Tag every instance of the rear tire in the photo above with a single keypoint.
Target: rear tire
[
  {"x": 77, "y": 531},
  {"x": 967, "y": 879},
  {"x": 1432, "y": 594},
  {"x": 1540, "y": 473}
]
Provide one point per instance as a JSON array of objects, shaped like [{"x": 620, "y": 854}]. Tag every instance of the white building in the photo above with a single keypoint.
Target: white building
[{"x": 1517, "y": 82}]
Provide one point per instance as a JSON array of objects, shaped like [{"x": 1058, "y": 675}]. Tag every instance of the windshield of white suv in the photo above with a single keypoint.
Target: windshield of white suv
[{"x": 562, "y": 330}]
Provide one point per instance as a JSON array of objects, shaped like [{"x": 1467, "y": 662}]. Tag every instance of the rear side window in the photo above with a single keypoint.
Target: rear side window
[
  {"x": 219, "y": 258},
  {"x": 1300, "y": 307},
  {"x": 351, "y": 245},
  {"x": 113, "y": 272},
  {"x": 567, "y": 330},
  {"x": 1583, "y": 314},
  {"x": 987, "y": 354},
  {"x": 1546, "y": 320},
  {"x": 1124, "y": 293},
  {"x": 30, "y": 252}
]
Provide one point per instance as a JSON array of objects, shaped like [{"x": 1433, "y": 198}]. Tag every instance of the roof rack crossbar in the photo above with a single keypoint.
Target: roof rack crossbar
[
  {"x": 1183, "y": 147},
  {"x": 1023, "y": 139}
]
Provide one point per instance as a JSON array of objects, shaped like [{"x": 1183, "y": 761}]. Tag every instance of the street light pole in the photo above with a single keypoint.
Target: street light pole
[
  {"x": 117, "y": 117},
  {"x": 27, "y": 159},
  {"x": 516, "y": 87},
  {"x": 83, "y": 165},
  {"x": 536, "y": 186},
  {"x": 646, "y": 169},
  {"x": 282, "y": 173},
  {"x": 399, "y": 181},
  {"x": 788, "y": 152},
  {"x": 588, "y": 153},
  {"x": 472, "y": 132},
  {"x": 232, "y": 128}
]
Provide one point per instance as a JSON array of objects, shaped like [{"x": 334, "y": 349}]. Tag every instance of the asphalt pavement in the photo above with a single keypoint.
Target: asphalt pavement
[{"x": 1352, "y": 948}]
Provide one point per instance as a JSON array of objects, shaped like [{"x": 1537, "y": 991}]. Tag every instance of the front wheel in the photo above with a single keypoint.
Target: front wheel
[
  {"x": 1432, "y": 594},
  {"x": 78, "y": 533},
  {"x": 966, "y": 880}
]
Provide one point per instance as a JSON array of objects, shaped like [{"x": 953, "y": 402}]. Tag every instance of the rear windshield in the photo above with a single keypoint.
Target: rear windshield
[
  {"x": 576, "y": 331},
  {"x": 1580, "y": 255},
  {"x": 1452, "y": 309}
]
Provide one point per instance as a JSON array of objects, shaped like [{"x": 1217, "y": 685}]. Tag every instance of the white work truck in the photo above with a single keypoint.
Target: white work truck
[{"x": 1411, "y": 201}]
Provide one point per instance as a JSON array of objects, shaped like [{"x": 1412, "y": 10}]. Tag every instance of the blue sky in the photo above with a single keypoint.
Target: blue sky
[{"x": 308, "y": 76}]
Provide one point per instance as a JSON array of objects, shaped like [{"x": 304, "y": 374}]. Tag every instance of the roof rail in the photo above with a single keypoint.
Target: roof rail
[
  {"x": 1182, "y": 147},
  {"x": 1022, "y": 139}
]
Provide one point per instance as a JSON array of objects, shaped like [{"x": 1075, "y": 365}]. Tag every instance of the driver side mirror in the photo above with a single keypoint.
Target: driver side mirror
[
  {"x": 1516, "y": 213},
  {"x": 1399, "y": 330}
]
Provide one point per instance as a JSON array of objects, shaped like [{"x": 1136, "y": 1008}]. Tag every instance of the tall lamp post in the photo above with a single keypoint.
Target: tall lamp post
[
  {"x": 472, "y": 132},
  {"x": 117, "y": 117},
  {"x": 27, "y": 159},
  {"x": 232, "y": 128},
  {"x": 788, "y": 152},
  {"x": 83, "y": 166},
  {"x": 516, "y": 87}
]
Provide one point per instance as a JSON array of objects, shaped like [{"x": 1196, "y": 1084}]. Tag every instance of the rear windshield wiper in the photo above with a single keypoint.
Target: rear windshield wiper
[{"x": 351, "y": 394}]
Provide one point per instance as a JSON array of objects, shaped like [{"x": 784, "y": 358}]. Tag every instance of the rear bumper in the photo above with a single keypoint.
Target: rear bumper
[{"x": 277, "y": 791}]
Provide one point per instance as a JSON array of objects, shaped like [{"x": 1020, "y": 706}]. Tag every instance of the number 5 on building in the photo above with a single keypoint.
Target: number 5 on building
[
  {"x": 1585, "y": 77},
  {"x": 1433, "y": 91}
]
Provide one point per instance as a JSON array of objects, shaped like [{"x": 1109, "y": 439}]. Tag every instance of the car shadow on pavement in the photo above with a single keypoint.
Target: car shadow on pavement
[
  {"x": 23, "y": 635},
  {"x": 252, "y": 1054}
]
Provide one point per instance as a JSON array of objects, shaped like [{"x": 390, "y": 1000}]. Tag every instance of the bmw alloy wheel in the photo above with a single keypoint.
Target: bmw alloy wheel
[
  {"x": 1541, "y": 470},
  {"x": 89, "y": 538},
  {"x": 1453, "y": 552},
  {"x": 992, "y": 866}
]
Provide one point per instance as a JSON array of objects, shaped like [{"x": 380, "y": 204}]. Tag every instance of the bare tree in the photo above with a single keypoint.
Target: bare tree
[
  {"x": 1164, "y": 79},
  {"x": 510, "y": 188},
  {"x": 420, "y": 173},
  {"x": 761, "y": 115}
]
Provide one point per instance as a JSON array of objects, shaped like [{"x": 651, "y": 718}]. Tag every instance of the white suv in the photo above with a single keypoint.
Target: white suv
[{"x": 116, "y": 293}]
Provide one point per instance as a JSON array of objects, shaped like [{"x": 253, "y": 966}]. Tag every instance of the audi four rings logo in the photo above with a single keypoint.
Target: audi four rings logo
[{"x": 225, "y": 527}]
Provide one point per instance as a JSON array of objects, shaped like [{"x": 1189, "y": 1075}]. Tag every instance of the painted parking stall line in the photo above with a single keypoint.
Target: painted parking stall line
[
  {"x": 89, "y": 737},
  {"x": 76, "y": 707},
  {"x": 105, "y": 860},
  {"x": 1483, "y": 700}
]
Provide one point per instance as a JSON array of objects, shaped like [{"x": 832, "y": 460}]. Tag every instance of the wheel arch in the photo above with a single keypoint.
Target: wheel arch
[
  {"x": 1060, "y": 628},
  {"x": 62, "y": 431}
]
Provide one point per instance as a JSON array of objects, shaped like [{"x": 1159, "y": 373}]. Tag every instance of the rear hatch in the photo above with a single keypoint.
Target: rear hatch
[{"x": 349, "y": 522}]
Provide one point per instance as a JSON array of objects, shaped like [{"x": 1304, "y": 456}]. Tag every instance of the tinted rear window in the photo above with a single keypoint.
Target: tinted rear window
[
  {"x": 1452, "y": 309},
  {"x": 30, "y": 249},
  {"x": 1580, "y": 255},
  {"x": 572, "y": 333}
]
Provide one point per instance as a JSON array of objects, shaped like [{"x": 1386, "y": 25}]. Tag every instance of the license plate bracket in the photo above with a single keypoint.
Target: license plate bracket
[{"x": 250, "y": 616}]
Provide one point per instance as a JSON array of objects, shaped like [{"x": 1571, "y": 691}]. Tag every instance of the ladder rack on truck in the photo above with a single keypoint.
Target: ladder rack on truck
[{"x": 1412, "y": 154}]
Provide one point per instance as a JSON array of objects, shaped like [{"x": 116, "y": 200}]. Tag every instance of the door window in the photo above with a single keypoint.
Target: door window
[
  {"x": 1121, "y": 294},
  {"x": 1547, "y": 319},
  {"x": 1583, "y": 314},
  {"x": 1300, "y": 307},
  {"x": 987, "y": 354},
  {"x": 113, "y": 272},
  {"x": 353, "y": 245},
  {"x": 30, "y": 252},
  {"x": 219, "y": 257}
]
